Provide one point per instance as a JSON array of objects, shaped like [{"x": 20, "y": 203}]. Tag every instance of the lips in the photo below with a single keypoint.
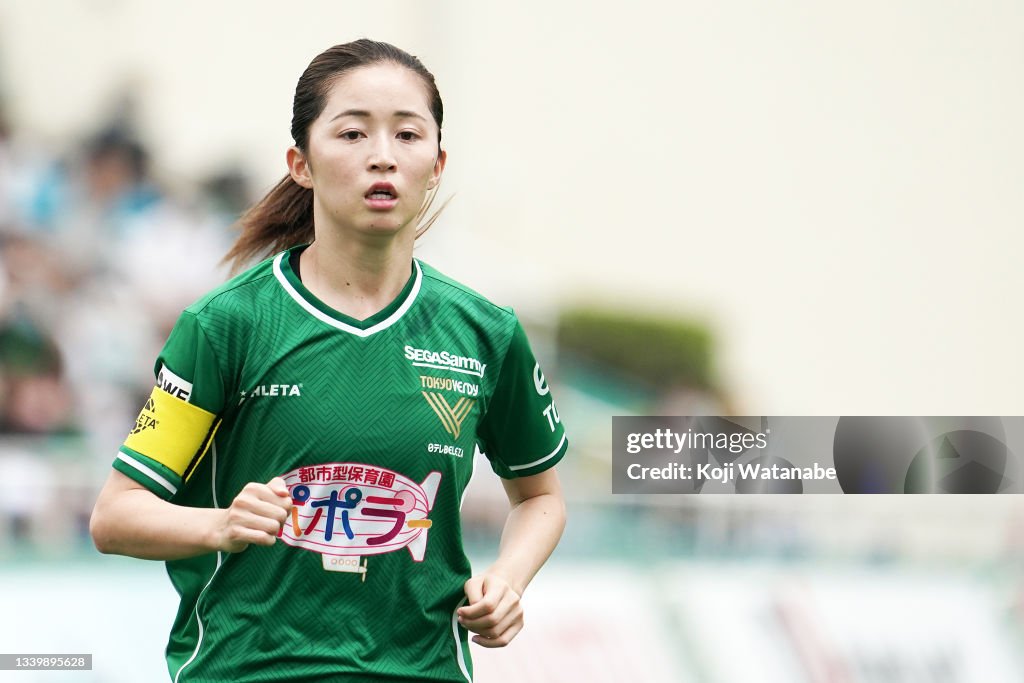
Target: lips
[
  {"x": 382, "y": 192},
  {"x": 381, "y": 197}
]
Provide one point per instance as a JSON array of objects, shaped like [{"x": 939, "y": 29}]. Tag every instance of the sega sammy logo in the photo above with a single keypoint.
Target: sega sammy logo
[
  {"x": 445, "y": 360},
  {"x": 347, "y": 509}
]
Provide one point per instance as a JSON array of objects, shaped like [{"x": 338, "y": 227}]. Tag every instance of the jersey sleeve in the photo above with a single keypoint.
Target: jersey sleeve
[
  {"x": 180, "y": 417},
  {"x": 521, "y": 433}
]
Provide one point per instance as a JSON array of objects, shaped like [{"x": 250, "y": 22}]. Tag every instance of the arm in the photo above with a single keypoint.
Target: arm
[
  {"x": 532, "y": 530},
  {"x": 130, "y": 520}
]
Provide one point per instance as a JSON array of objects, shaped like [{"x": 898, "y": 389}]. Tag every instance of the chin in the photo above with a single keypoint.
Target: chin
[{"x": 385, "y": 227}]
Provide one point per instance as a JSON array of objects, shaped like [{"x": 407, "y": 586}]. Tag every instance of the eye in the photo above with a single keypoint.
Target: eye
[
  {"x": 407, "y": 135},
  {"x": 351, "y": 135}
]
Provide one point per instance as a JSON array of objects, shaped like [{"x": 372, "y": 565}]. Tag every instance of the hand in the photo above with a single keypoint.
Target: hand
[
  {"x": 256, "y": 515},
  {"x": 493, "y": 611}
]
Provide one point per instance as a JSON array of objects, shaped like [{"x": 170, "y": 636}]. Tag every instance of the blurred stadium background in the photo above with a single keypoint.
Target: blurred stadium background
[{"x": 785, "y": 208}]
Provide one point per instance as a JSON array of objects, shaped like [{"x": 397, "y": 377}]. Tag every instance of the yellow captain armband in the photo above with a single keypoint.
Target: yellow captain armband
[{"x": 172, "y": 432}]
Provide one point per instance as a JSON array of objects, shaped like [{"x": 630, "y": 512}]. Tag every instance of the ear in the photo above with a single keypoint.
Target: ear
[
  {"x": 298, "y": 167},
  {"x": 435, "y": 178}
]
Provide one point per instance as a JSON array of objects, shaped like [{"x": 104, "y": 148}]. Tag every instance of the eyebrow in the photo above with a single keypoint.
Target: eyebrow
[{"x": 362, "y": 113}]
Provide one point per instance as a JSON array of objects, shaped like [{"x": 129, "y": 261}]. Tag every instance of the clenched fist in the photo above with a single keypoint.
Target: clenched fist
[
  {"x": 493, "y": 611},
  {"x": 256, "y": 515}
]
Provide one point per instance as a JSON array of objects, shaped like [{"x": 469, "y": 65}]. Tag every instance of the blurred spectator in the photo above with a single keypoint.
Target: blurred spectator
[
  {"x": 93, "y": 199},
  {"x": 7, "y": 211},
  {"x": 32, "y": 279},
  {"x": 34, "y": 398},
  {"x": 97, "y": 259},
  {"x": 227, "y": 194}
]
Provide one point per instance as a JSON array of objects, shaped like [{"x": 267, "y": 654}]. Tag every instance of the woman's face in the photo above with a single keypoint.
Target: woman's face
[{"x": 373, "y": 151}]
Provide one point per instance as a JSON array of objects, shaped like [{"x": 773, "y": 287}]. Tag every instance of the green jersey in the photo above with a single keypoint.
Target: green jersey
[{"x": 373, "y": 424}]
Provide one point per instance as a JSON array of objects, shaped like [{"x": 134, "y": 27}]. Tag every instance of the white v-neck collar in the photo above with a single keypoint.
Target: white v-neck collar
[{"x": 322, "y": 312}]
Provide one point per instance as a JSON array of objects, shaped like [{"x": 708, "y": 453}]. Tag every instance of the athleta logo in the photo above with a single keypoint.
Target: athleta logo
[
  {"x": 146, "y": 419},
  {"x": 451, "y": 417},
  {"x": 272, "y": 390},
  {"x": 173, "y": 385},
  {"x": 424, "y": 358}
]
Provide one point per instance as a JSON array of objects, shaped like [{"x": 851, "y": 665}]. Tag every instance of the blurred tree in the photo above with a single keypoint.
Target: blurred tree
[{"x": 660, "y": 352}]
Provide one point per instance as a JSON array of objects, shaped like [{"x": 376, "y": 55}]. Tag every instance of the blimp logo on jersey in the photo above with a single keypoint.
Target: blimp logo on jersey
[{"x": 348, "y": 508}]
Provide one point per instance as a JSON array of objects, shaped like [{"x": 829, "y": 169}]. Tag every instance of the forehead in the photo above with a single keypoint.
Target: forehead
[{"x": 379, "y": 89}]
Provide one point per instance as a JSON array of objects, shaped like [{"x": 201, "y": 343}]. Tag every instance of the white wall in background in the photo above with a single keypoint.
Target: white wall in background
[{"x": 834, "y": 187}]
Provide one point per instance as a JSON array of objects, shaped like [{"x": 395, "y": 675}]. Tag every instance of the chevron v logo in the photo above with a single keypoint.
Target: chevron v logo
[{"x": 451, "y": 417}]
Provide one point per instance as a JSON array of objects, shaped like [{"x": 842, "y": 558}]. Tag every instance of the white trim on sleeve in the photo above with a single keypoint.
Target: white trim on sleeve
[
  {"x": 547, "y": 457},
  {"x": 148, "y": 471}
]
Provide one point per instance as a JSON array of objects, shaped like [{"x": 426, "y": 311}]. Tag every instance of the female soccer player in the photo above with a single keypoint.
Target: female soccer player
[{"x": 320, "y": 412}]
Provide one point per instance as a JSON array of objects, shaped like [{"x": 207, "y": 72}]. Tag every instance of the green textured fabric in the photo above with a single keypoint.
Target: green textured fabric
[{"x": 373, "y": 425}]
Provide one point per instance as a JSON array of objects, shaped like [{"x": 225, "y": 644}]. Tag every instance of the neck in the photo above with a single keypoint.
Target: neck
[{"x": 357, "y": 275}]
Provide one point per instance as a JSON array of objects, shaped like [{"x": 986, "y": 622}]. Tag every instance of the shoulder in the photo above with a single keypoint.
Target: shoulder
[
  {"x": 437, "y": 284},
  {"x": 227, "y": 314},
  {"x": 234, "y": 294}
]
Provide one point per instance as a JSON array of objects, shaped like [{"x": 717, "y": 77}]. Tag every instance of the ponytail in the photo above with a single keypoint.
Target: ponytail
[
  {"x": 423, "y": 223},
  {"x": 281, "y": 220}
]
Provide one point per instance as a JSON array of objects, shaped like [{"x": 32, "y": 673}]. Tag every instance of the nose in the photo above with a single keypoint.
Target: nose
[{"x": 382, "y": 156}]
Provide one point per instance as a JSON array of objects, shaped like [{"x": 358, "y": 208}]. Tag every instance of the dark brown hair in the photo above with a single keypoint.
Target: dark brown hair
[{"x": 284, "y": 217}]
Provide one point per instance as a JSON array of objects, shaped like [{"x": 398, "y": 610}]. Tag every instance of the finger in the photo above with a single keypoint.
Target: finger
[
  {"x": 501, "y": 626},
  {"x": 483, "y": 622},
  {"x": 502, "y": 640},
  {"x": 504, "y": 590},
  {"x": 279, "y": 487},
  {"x": 262, "y": 508},
  {"x": 474, "y": 592},
  {"x": 498, "y": 618},
  {"x": 278, "y": 495},
  {"x": 495, "y": 591},
  {"x": 262, "y": 492},
  {"x": 484, "y": 606},
  {"x": 492, "y": 591},
  {"x": 246, "y": 520},
  {"x": 284, "y": 502},
  {"x": 241, "y": 538},
  {"x": 263, "y": 538},
  {"x": 282, "y": 499}
]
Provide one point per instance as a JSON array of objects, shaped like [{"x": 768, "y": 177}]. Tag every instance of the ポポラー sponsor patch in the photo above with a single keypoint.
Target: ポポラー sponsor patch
[{"x": 349, "y": 508}]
